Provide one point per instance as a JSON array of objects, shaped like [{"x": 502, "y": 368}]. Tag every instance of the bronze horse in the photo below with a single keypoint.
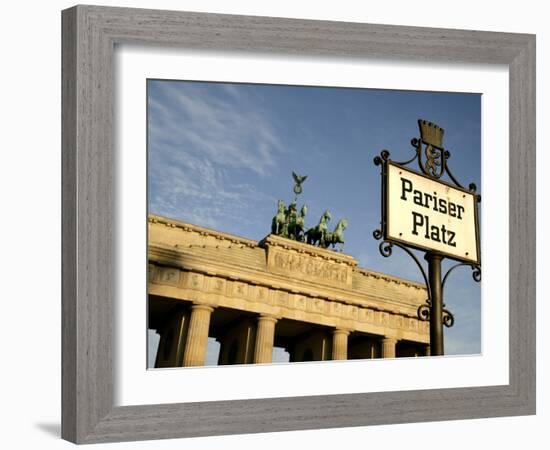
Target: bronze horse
[
  {"x": 318, "y": 233},
  {"x": 337, "y": 236},
  {"x": 279, "y": 224}
]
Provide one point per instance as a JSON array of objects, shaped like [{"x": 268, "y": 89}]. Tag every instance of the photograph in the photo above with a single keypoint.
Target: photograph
[
  {"x": 266, "y": 225},
  {"x": 291, "y": 224}
]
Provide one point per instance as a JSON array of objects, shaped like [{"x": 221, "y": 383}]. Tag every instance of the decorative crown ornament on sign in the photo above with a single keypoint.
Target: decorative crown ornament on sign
[
  {"x": 430, "y": 133},
  {"x": 431, "y": 136}
]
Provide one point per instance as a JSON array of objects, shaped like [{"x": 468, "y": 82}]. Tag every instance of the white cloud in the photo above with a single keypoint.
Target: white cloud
[
  {"x": 193, "y": 137},
  {"x": 226, "y": 129}
]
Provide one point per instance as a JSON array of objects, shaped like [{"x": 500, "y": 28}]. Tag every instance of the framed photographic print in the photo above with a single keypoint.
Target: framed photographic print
[{"x": 220, "y": 199}]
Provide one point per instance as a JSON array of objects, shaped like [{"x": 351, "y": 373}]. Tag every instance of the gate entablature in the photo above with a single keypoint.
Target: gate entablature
[{"x": 280, "y": 277}]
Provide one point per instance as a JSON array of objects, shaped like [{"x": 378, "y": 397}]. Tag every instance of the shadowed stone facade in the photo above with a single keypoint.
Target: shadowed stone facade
[{"x": 251, "y": 296}]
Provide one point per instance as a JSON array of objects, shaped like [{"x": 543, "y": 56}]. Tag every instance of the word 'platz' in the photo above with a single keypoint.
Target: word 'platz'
[
  {"x": 431, "y": 201},
  {"x": 431, "y": 215}
]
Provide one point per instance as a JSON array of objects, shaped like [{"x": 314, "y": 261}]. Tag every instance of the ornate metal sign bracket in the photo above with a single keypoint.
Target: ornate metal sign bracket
[{"x": 432, "y": 159}]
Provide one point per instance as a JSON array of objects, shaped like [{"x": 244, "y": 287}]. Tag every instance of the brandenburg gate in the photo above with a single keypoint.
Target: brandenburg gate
[{"x": 252, "y": 296}]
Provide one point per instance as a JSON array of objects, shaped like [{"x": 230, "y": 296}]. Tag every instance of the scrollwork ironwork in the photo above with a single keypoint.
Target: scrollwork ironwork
[
  {"x": 476, "y": 274},
  {"x": 385, "y": 249},
  {"x": 451, "y": 176},
  {"x": 404, "y": 163},
  {"x": 423, "y": 311},
  {"x": 385, "y": 157},
  {"x": 382, "y": 158},
  {"x": 448, "y": 318}
]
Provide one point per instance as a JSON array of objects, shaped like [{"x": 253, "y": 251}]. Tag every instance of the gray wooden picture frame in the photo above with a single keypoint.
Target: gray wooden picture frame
[{"x": 90, "y": 34}]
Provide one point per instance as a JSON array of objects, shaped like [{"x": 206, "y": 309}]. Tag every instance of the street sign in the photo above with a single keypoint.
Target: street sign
[
  {"x": 430, "y": 215},
  {"x": 422, "y": 212}
]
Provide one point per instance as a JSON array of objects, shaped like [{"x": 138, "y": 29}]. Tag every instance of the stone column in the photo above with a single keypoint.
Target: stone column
[
  {"x": 265, "y": 335},
  {"x": 340, "y": 344},
  {"x": 197, "y": 335},
  {"x": 388, "y": 347}
]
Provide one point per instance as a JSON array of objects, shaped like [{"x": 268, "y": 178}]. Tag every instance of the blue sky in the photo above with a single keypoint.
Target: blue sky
[{"x": 220, "y": 155}]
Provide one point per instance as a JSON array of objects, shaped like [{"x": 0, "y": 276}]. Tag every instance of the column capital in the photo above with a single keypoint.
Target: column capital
[
  {"x": 388, "y": 347},
  {"x": 268, "y": 318},
  {"x": 202, "y": 306},
  {"x": 265, "y": 336},
  {"x": 345, "y": 331},
  {"x": 340, "y": 343}
]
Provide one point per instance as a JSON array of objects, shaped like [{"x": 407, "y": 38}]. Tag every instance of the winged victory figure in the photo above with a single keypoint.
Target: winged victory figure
[{"x": 298, "y": 180}]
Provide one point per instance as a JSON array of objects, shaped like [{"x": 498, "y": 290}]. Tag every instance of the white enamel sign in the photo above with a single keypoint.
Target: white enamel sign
[{"x": 430, "y": 215}]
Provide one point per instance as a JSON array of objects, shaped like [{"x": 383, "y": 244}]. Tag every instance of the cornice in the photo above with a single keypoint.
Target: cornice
[
  {"x": 172, "y": 223},
  {"x": 277, "y": 241}
]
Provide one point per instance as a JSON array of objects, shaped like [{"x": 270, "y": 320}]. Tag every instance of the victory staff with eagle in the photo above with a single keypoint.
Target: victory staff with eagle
[
  {"x": 291, "y": 224},
  {"x": 298, "y": 186}
]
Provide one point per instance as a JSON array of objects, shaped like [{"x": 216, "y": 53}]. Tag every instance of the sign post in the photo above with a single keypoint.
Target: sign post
[
  {"x": 422, "y": 212},
  {"x": 436, "y": 310}
]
